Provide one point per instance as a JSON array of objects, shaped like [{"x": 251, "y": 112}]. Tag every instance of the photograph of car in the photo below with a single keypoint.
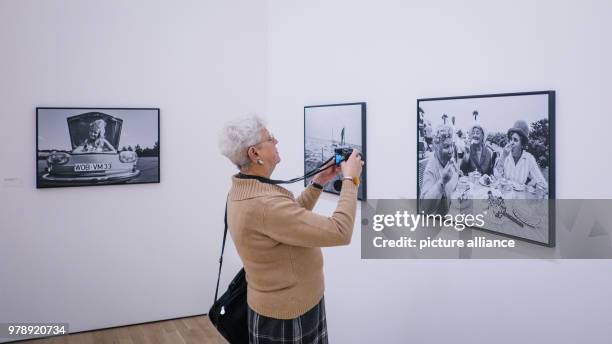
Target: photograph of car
[{"x": 87, "y": 146}]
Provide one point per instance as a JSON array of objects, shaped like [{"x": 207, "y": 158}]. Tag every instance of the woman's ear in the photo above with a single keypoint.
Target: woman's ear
[{"x": 252, "y": 153}]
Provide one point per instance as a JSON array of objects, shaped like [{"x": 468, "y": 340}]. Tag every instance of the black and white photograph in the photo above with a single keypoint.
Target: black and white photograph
[
  {"x": 96, "y": 146},
  {"x": 331, "y": 127},
  {"x": 497, "y": 149}
]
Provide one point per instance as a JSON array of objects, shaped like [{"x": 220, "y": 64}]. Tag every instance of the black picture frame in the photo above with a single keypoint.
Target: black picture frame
[
  {"x": 150, "y": 175},
  {"x": 362, "y": 192},
  {"x": 551, "y": 101}
]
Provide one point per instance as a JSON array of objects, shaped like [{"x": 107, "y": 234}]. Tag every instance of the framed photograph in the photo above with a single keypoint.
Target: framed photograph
[
  {"x": 490, "y": 154},
  {"x": 96, "y": 146},
  {"x": 333, "y": 126}
]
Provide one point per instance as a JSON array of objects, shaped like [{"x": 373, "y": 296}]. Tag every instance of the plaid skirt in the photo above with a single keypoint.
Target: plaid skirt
[{"x": 309, "y": 328}]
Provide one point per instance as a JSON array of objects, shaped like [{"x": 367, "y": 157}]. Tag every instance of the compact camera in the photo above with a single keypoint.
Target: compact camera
[{"x": 342, "y": 154}]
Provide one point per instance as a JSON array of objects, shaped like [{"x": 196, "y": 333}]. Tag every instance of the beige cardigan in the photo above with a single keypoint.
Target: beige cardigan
[{"x": 278, "y": 239}]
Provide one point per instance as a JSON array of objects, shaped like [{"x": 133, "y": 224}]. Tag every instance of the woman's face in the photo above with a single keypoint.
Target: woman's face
[
  {"x": 93, "y": 133},
  {"x": 517, "y": 145},
  {"x": 477, "y": 135},
  {"x": 267, "y": 149},
  {"x": 445, "y": 150}
]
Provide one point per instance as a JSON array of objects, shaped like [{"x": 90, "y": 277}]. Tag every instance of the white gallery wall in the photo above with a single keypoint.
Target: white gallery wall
[
  {"x": 105, "y": 256},
  {"x": 389, "y": 53}
]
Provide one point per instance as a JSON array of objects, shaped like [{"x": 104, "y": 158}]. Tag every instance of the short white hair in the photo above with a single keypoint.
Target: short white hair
[{"x": 237, "y": 136}]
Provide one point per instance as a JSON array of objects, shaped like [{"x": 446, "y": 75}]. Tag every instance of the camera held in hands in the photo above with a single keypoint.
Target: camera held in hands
[{"x": 342, "y": 154}]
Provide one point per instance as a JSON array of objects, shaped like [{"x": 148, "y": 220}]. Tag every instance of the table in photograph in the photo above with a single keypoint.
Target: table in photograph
[{"x": 526, "y": 211}]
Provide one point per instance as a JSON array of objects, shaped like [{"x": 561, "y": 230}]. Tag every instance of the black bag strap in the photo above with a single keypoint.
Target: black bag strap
[{"x": 222, "y": 250}]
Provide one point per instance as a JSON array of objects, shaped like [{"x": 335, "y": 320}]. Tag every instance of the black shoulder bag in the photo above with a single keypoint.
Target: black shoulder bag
[{"x": 229, "y": 312}]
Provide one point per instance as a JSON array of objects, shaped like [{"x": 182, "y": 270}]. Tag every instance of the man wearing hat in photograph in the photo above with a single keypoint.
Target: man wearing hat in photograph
[
  {"x": 516, "y": 163},
  {"x": 479, "y": 157}
]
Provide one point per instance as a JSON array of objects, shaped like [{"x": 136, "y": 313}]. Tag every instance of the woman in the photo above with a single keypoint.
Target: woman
[
  {"x": 278, "y": 237},
  {"x": 516, "y": 163},
  {"x": 441, "y": 174},
  {"x": 479, "y": 157},
  {"x": 96, "y": 142}
]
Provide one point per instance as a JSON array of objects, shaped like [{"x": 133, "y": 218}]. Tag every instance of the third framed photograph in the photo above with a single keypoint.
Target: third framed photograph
[{"x": 490, "y": 154}]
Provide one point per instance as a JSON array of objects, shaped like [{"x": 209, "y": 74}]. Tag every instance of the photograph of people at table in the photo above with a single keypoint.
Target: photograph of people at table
[{"x": 487, "y": 154}]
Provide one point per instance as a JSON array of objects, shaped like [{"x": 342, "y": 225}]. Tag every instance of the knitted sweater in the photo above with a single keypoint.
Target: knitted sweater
[{"x": 278, "y": 239}]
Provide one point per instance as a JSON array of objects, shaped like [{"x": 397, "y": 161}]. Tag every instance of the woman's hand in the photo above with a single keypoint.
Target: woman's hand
[
  {"x": 447, "y": 172},
  {"x": 507, "y": 149},
  {"x": 327, "y": 175},
  {"x": 352, "y": 167}
]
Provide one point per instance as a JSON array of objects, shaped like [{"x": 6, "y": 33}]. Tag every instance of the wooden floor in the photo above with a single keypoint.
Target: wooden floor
[{"x": 185, "y": 330}]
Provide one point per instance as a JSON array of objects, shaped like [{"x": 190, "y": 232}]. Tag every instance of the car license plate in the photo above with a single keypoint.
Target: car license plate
[{"x": 92, "y": 167}]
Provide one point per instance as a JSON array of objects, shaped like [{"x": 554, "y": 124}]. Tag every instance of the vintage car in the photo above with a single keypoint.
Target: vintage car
[{"x": 94, "y": 158}]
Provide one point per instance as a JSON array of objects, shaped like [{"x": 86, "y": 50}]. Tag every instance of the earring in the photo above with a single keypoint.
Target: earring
[{"x": 260, "y": 162}]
